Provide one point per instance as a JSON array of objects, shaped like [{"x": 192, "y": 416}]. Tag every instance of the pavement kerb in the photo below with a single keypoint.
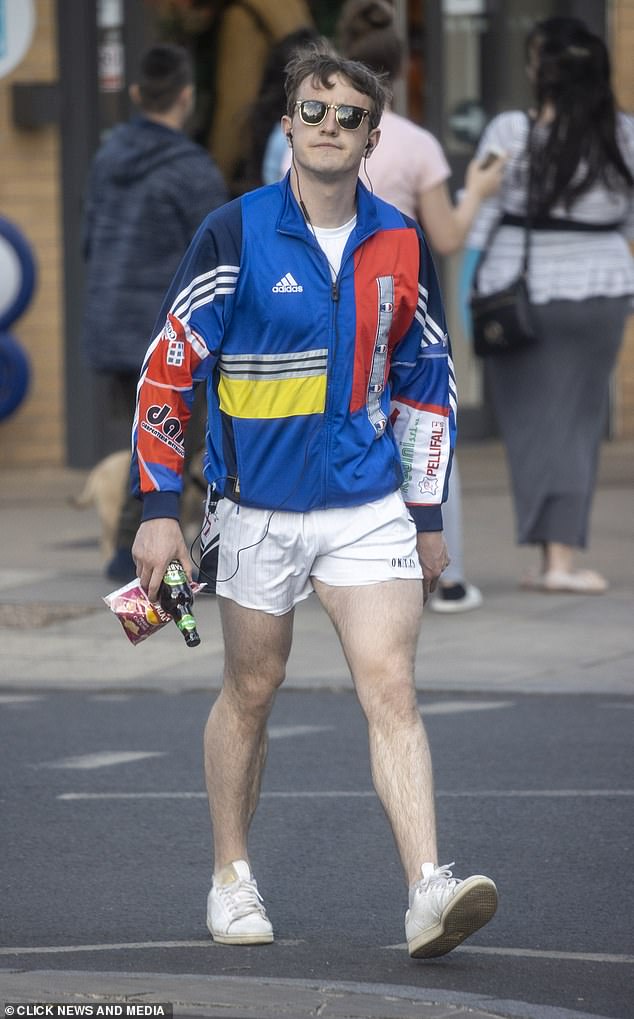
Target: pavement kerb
[{"x": 228, "y": 997}]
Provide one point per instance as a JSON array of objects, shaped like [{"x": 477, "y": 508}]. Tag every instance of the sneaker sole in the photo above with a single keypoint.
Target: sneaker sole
[
  {"x": 241, "y": 939},
  {"x": 470, "y": 909}
]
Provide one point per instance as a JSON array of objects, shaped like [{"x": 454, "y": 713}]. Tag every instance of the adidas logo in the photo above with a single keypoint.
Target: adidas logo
[{"x": 288, "y": 285}]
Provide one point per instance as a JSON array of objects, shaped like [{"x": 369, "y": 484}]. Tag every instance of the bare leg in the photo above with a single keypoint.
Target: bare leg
[
  {"x": 558, "y": 557},
  {"x": 378, "y": 626},
  {"x": 257, "y": 646}
]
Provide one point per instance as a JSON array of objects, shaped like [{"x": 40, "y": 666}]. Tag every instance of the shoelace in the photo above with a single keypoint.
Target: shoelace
[
  {"x": 441, "y": 875},
  {"x": 241, "y": 899},
  {"x": 441, "y": 883}
]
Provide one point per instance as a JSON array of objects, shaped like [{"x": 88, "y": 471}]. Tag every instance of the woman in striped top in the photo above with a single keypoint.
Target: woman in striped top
[{"x": 551, "y": 399}]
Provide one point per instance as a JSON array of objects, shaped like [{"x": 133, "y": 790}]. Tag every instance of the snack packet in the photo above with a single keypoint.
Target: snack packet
[{"x": 139, "y": 617}]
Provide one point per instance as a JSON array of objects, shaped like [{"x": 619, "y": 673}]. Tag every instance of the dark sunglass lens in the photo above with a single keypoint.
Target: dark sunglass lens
[
  {"x": 312, "y": 111},
  {"x": 349, "y": 117}
]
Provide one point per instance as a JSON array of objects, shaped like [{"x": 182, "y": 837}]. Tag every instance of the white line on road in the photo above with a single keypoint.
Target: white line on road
[
  {"x": 535, "y": 953},
  {"x": 361, "y": 794},
  {"x": 105, "y": 759},
  {"x": 122, "y": 946},
  {"x": 18, "y": 698},
  {"x": 456, "y": 707},
  {"x": 525, "y": 953},
  {"x": 116, "y": 698},
  {"x": 282, "y": 731}
]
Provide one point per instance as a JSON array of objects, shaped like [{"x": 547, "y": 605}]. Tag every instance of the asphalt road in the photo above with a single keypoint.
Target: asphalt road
[{"x": 105, "y": 842}]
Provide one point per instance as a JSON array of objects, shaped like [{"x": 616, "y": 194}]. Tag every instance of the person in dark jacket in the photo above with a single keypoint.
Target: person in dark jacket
[{"x": 149, "y": 188}]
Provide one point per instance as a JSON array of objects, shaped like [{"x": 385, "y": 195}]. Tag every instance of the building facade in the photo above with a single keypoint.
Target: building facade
[{"x": 70, "y": 84}]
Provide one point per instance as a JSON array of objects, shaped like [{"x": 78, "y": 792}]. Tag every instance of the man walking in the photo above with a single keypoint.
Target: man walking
[
  {"x": 149, "y": 187},
  {"x": 313, "y": 312}
]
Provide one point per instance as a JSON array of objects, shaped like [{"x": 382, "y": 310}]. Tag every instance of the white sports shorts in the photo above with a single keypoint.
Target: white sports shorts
[{"x": 267, "y": 559}]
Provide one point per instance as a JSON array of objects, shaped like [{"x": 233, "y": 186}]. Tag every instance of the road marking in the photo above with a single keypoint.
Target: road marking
[
  {"x": 114, "y": 697},
  {"x": 311, "y": 794},
  {"x": 105, "y": 759},
  {"x": 528, "y": 953},
  {"x": 282, "y": 731},
  {"x": 123, "y": 946},
  {"x": 361, "y": 794},
  {"x": 456, "y": 707},
  {"x": 132, "y": 796},
  {"x": 540, "y": 793},
  {"x": 18, "y": 698},
  {"x": 535, "y": 953}
]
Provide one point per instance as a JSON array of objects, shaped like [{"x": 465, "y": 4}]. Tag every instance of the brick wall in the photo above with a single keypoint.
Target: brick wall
[
  {"x": 30, "y": 198},
  {"x": 622, "y": 47}
]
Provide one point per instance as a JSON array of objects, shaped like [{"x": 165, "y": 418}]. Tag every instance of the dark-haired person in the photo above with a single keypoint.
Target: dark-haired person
[
  {"x": 551, "y": 399},
  {"x": 312, "y": 311},
  {"x": 267, "y": 140},
  {"x": 148, "y": 189},
  {"x": 410, "y": 170}
]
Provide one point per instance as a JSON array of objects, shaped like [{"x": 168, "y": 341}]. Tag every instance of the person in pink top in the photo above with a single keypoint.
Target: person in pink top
[{"x": 409, "y": 169}]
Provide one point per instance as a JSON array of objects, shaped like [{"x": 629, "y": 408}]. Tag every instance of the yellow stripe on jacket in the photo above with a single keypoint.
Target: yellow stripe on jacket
[{"x": 272, "y": 398}]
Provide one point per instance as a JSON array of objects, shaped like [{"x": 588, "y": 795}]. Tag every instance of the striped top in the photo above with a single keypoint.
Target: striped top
[{"x": 563, "y": 265}]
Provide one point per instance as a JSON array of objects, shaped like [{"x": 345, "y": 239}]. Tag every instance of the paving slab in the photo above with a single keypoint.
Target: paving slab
[
  {"x": 57, "y": 632},
  {"x": 215, "y": 997}
]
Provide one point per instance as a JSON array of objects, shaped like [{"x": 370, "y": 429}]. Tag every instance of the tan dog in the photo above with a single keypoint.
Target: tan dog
[{"x": 105, "y": 489}]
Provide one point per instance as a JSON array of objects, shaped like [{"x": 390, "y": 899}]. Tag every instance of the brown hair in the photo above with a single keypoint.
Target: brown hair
[
  {"x": 366, "y": 31},
  {"x": 321, "y": 66}
]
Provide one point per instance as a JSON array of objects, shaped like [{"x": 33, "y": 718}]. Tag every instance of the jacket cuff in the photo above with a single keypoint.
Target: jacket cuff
[
  {"x": 161, "y": 504},
  {"x": 427, "y": 518}
]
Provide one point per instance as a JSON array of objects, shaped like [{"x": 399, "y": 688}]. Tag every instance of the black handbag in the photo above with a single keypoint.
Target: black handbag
[{"x": 502, "y": 322}]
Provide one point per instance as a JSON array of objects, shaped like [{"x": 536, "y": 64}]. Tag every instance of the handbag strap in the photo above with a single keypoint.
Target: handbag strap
[{"x": 527, "y": 220}]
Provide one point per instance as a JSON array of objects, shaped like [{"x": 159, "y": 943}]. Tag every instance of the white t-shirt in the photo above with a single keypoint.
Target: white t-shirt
[{"x": 332, "y": 241}]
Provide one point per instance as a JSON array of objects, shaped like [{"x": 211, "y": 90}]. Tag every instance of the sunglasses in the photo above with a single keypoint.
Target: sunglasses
[{"x": 314, "y": 112}]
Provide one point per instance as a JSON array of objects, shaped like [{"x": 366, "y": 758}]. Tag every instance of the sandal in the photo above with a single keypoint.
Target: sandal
[
  {"x": 577, "y": 582},
  {"x": 559, "y": 582},
  {"x": 532, "y": 581}
]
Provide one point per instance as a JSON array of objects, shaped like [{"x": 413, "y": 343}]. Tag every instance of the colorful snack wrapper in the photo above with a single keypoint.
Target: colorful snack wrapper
[{"x": 139, "y": 617}]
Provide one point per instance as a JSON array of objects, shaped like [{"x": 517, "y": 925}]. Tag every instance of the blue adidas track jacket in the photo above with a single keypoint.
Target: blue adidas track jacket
[{"x": 319, "y": 394}]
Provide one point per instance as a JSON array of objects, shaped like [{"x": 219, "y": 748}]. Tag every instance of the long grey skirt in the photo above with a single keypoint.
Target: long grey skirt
[{"x": 550, "y": 401}]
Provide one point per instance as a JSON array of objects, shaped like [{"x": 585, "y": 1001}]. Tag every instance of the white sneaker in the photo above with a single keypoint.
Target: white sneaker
[
  {"x": 456, "y": 598},
  {"x": 443, "y": 911},
  {"x": 235, "y": 911}
]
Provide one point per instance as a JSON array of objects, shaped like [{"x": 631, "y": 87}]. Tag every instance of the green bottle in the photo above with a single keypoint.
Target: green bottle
[{"x": 176, "y": 598}]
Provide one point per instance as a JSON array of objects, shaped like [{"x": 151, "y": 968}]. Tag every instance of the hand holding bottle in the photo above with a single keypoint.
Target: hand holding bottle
[
  {"x": 176, "y": 597},
  {"x": 157, "y": 543}
]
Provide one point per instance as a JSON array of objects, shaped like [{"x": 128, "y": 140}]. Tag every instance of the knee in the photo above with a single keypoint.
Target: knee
[
  {"x": 391, "y": 700},
  {"x": 252, "y": 695}
]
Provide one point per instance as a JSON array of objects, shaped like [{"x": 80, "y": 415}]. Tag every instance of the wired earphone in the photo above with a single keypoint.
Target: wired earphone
[{"x": 210, "y": 510}]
